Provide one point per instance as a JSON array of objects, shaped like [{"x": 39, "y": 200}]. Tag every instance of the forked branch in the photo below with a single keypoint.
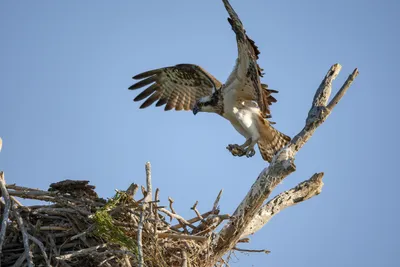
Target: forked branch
[{"x": 250, "y": 215}]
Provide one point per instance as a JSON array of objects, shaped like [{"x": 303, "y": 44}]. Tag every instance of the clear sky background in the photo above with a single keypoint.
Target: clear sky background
[{"x": 66, "y": 112}]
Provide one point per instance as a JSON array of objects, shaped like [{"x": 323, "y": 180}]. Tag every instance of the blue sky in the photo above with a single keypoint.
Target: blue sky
[{"x": 66, "y": 113}]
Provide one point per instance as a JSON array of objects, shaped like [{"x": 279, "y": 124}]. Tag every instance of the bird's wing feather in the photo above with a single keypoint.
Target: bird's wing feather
[
  {"x": 245, "y": 77},
  {"x": 178, "y": 87}
]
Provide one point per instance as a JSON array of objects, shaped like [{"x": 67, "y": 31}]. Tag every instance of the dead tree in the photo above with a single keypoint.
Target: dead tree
[
  {"x": 81, "y": 229},
  {"x": 252, "y": 214}
]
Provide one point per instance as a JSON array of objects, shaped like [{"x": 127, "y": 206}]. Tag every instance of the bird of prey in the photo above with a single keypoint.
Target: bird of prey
[{"x": 243, "y": 99}]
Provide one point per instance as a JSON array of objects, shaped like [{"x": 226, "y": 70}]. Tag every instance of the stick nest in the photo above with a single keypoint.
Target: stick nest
[{"x": 77, "y": 228}]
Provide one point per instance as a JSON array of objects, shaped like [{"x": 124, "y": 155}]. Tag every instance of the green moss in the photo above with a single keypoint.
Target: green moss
[{"x": 105, "y": 228}]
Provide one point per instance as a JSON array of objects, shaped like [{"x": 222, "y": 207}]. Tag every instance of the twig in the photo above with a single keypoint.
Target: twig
[
  {"x": 171, "y": 201},
  {"x": 132, "y": 189},
  {"x": 19, "y": 261},
  {"x": 90, "y": 229},
  {"x": 139, "y": 241},
  {"x": 148, "y": 182},
  {"x": 42, "y": 249},
  {"x": 193, "y": 220},
  {"x": 157, "y": 219},
  {"x": 119, "y": 252},
  {"x": 105, "y": 260},
  {"x": 156, "y": 199},
  {"x": 144, "y": 193},
  {"x": 343, "y": 90},
  {"x": 196, "y": 211},
  {"x": 215, "y": 206},
  {"x": 252, "y": 250},
  {"x": 178, "y": 217},
  {"x": 127, "y": 261},
  {"x": 81, "y": 252},
  {"x": 211, "y": 223},
  {"x": 182, "y": 236},
  {"x": 28, "y": 253},
  {"x": 185, "y": 259},
  {"x": 27, "y": 189},
  {"x": 60, "y": 211},
  {"x": 54, "y": 228},
  {"x": 6, "y": 212}
]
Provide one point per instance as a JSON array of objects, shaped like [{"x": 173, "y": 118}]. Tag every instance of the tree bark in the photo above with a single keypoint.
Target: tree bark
[{"x": 250, "y": 215}]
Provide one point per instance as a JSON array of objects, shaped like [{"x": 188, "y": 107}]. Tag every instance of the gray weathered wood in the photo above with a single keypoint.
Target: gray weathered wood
[
  {"x": 300, "y": 193},
  {"x": 6, "y": 212},
  {"x": 281, "y": 166}
]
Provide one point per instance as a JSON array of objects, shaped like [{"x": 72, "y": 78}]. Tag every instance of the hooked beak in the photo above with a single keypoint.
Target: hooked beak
[{"x": 196, "y": 109}]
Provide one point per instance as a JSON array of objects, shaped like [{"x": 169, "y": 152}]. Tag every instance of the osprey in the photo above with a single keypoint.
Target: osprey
[{"x": 243, "y": 99}]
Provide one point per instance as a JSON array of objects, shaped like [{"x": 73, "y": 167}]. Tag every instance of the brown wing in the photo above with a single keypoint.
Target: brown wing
[
  {"x": 245, "y": 77},
  {"x": 179, "y": 87}
]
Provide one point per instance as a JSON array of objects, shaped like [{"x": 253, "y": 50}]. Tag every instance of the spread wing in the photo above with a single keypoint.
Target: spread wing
[
  {"x": 245, "y": 77},
  {"x": 179, "y": 87}
]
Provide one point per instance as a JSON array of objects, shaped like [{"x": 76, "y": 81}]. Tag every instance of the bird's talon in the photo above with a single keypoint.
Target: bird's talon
[
  {"x": 236, "y": 150},
  {"x": 250, "y": 152}
]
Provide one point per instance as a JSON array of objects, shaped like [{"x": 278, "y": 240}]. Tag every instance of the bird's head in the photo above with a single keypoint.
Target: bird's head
[{"x": 208, "y": 104}]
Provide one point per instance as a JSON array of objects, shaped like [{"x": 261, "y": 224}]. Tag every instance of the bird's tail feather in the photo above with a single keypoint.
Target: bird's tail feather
[{"x": 271, "y": 141}]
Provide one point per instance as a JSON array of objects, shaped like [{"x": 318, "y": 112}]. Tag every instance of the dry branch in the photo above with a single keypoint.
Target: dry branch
[
  {"x": 281, "y": 166},
  {"x": 139, "y": 240},
  {"x": 6, "y": 211},
  {"x": 300, "y": 193},
  {"x": 27, "y": 251},
  {"x": 77, "y": 228},
  {"x": 252, "y": 250},
  {"x": 42, "y": 249}
]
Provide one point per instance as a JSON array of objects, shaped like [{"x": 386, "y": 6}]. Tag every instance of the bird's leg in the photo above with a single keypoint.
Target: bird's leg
[
  {"x": 239, "y": 150},
  {"x": 246, "y": 144},
  {"x": 249, "y": 151}
]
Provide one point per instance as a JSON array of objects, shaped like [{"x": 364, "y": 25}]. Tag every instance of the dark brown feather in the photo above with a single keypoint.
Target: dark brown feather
[
  {"x": 177, "y": 86},
  {"x": 248, "y": 50},
  {"x": 146, "y": 92},
  {"x": 145, "y": 82},
  {"x": 161, "y": 102},
  {"x": 151, "y": 99},
  {"x": 146, "y": 74},
  {"x": 169, "y": 106}
]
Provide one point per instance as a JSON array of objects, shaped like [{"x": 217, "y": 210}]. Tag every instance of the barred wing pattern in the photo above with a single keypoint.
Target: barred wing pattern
[
  {"x": 246, "y": 73},
  {"x": 179, "y": 86},
  {"x": 245, "y": 79}
]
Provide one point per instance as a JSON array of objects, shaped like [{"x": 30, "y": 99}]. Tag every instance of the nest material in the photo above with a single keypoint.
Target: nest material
[{"x": 77, "y": 228}]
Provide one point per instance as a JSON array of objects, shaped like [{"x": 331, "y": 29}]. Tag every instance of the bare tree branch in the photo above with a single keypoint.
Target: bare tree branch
[
  {"x": 6, "y": 212},
  {"x": 193, "y": 220},
  {"x": 81, "y": 252},
  {"x": 281, "y": 166},
  {"x": 42, "y": 249},
  {"x": 139, "y": 241},
  {"x": 149, "y": 187},
  {"x": 215, "y": 206},
  {"x": 252, "y": 250},
  {"x": 300, "y": 193},
  {"x": 20, "y": 221},
  {"x": 181, "y": 236},
  {"x": 343, "y": 90}
]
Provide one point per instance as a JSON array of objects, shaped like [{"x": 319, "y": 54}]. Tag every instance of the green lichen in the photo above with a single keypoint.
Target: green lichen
[{"x": 106, "y": 229}]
